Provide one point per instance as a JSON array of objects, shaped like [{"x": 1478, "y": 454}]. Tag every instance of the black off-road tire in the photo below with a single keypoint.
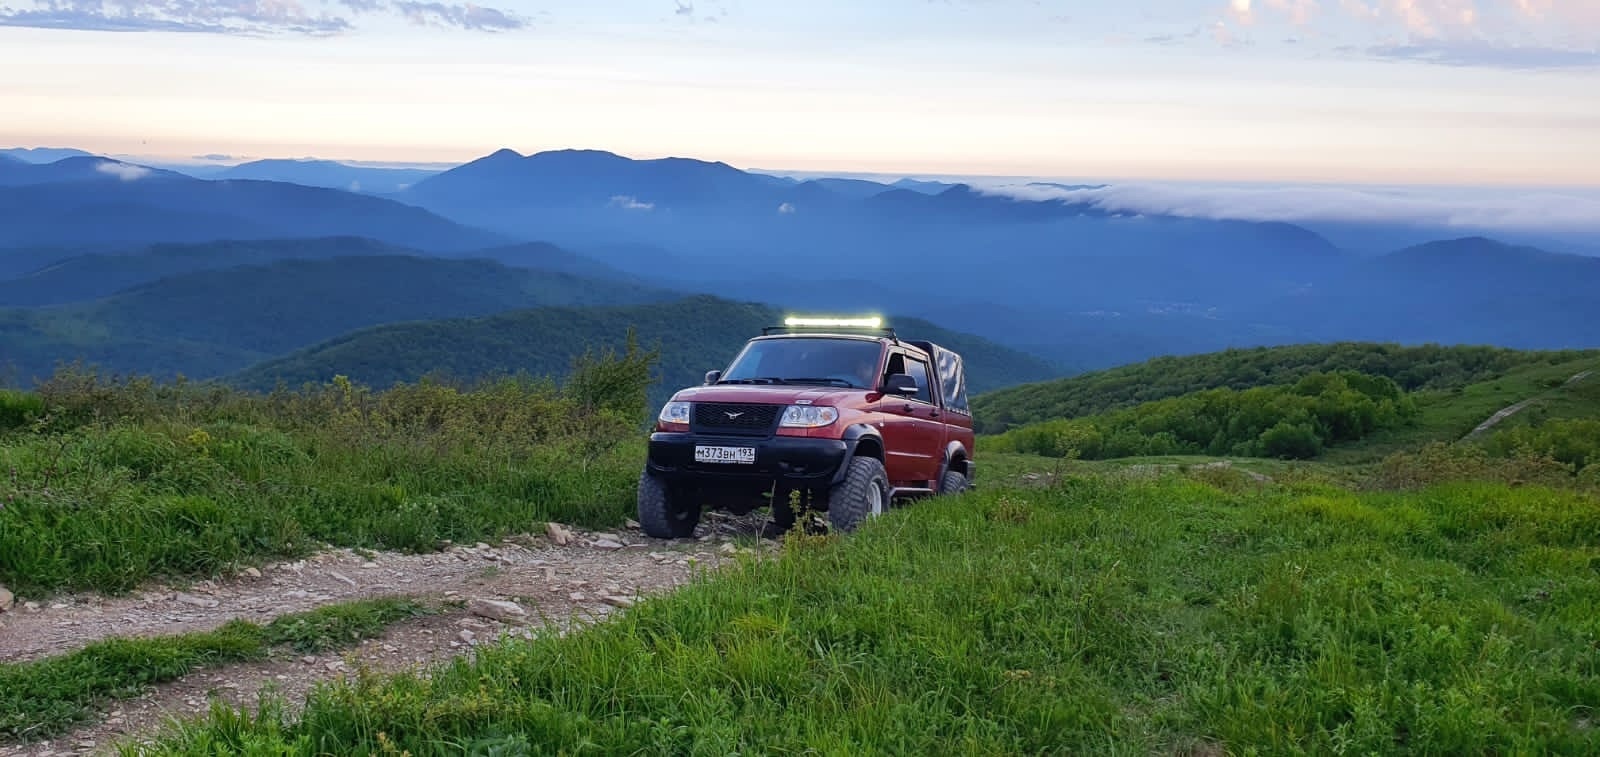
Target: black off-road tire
[
  {"x": 663, "y": 513},
  {"x": 954, "y": 482},
  {"x": 863, "y": 494}
]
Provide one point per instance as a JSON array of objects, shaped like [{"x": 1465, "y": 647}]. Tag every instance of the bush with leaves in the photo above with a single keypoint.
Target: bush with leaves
[
  {"x": 1292, "y": 421},
  {"x": 1575, "y": 442}
]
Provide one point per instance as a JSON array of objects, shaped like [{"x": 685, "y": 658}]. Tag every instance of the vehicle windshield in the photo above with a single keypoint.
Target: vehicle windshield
[{"x": 834, "y": 362}]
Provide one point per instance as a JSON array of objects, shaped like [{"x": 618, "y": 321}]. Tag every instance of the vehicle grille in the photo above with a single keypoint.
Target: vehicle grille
[{"x": 735, "y": 418}]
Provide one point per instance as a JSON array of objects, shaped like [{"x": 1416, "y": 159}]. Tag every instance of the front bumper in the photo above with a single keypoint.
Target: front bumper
[{"x": 777, "y": 458}]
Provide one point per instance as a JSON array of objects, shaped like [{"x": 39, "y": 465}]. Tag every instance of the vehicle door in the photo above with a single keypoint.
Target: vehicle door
[{"x": 912, "y": 426}]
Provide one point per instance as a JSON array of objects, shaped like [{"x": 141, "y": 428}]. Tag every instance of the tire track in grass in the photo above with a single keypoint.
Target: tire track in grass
[{"x": 1507, "y": 412}]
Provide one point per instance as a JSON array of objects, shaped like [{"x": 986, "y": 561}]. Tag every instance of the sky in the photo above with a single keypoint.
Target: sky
[{"x": 1425, "y": 92}]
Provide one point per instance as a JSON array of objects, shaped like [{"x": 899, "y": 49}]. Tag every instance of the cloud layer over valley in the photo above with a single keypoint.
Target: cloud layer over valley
[{"x": 1573, "y": 210}]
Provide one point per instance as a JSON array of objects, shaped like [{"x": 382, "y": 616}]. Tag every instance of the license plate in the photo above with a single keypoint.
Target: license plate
[{"x": 705, "y": 454}]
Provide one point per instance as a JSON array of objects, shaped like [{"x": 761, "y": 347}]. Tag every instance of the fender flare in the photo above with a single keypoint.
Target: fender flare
[
  {"x": 952, "y": 451},
  {"x": 852, "y": 438}
]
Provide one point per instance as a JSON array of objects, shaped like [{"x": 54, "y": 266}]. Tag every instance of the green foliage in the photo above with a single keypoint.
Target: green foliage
[
  {"x": 211, "y": 323},
  {"x": 1286, "y": 441},
  {"x": 1429, "y": 367},
  {"x": 1103, "y": 615},
  {"x": 18, "y": 409},
  {"x": 1294, "y": 421},
  {"x": 43, "y": 698},
  {"x": 1573, "y": 442},
  {"x": 121, "y": 481},
  {"x": 1439, "y": 463},
  {"x": 691, "y": 336}
]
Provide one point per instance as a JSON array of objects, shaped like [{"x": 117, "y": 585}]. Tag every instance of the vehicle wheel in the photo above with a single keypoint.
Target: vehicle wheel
[
  {"x": 663, "y": 513},
  {"x": 954, "y": 482},
  {"x": 864, "y": 493}
]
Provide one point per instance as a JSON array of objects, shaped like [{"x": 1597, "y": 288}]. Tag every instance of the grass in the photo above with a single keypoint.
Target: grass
[
  {"x": 46, "y": 697},
  {"x": 1446, "y": 416},
  {"x": 107, "y": 487},
  {"x": 1106, "y": 614}
]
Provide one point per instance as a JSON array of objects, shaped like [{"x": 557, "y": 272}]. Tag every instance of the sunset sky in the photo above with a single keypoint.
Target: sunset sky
[{"x": 1470, "y": 92}]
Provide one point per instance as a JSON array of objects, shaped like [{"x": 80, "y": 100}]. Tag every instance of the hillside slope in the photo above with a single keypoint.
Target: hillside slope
[
  {"x": 92, "y": 276},
  {"x": 51, "y": 276},
  {"x": 1423, "y": 367},
  {"x": 211, "y": 323},
  {"x": 695, "y": 335}
]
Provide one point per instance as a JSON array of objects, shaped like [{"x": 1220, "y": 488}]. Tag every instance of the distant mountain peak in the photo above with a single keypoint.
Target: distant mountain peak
[
  {"x": 1471, "y": 245},
  {"x": 43, "y": 155},
  {"x": 504, "y": 153}
]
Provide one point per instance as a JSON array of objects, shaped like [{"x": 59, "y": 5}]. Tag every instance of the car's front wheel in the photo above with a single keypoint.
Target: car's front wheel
[
  {"x": 663, "y": 512},
  {"x": 863, "y": 494},
  {"x": 954, "y": 482}
]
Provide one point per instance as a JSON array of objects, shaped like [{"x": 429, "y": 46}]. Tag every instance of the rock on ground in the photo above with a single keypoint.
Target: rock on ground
[{"x": 519, "y": 588}]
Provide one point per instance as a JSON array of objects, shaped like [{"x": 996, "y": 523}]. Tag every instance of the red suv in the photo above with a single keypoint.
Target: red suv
[{"x": 836, "y": 421}]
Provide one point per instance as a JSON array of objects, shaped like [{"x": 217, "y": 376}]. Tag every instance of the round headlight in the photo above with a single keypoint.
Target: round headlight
[{"x": 808, "y": 416}]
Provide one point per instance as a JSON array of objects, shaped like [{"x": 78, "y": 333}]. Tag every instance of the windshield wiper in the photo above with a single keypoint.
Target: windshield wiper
[
  {"x": 761, "y": 380},
  {"x": 829, "y": 380}
]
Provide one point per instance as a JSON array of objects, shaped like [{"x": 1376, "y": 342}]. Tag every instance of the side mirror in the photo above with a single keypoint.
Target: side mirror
[
  {"x": 900, "y": 383},
  {"x": 713, "y": 377}
]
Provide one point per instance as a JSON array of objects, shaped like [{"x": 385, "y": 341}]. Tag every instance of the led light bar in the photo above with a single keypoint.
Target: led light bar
[{"x": 841, "y": 323}]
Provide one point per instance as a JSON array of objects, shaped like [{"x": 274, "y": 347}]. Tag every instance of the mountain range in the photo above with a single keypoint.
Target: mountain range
[
  {"x": 89, "y": 201},
  {"x": 160, "y": 269}
]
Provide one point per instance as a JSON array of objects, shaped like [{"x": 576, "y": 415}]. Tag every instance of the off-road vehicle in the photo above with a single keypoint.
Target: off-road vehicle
[{"x": 835, "y": 416}]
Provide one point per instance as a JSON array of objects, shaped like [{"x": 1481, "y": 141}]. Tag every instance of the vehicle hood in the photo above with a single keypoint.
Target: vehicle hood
[{"x": 773, "y": 395}]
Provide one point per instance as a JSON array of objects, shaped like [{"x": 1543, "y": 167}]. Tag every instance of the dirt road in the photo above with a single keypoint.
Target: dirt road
[{"x": 558, "y": 585}]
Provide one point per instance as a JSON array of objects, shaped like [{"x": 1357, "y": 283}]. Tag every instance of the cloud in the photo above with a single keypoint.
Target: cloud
[
  {"x": 216, "y": 157},
  {"x": 631, "y": 203},
  {"x": 1498, "y": 209},
  {"x": 1480, "y": 53},
  {"x": 786, "y": 209},
  {"x": 469, "y": 16},
  {"x": 123, "y": 171},
  {"x": 247, "y": 17},
  {"x": 1516, "y": 34}
]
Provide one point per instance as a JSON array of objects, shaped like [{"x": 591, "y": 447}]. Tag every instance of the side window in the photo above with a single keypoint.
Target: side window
[
  {"x": 952, "y": 381},
  {"x": 919, "y": 371}
]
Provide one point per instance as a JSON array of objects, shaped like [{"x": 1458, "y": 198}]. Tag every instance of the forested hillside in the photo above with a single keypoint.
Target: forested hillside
[
  {"x": 216, "y": 322},
  {"x": 694, "y": 335},
  {"x": 1412, "y": 368},
  {"x": 58, "y": 276},
  {"x": 1295, "y": 422}
]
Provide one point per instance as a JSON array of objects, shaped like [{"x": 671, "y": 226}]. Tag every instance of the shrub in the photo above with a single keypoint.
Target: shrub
[
  {"x": 18, "y": 409},
  {"x": 1573, "y": 442},
  {"x": 1291, "y": 441},
  {"x": 1440, "y": 462},
  {"x": 1294, "y": 421}
]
